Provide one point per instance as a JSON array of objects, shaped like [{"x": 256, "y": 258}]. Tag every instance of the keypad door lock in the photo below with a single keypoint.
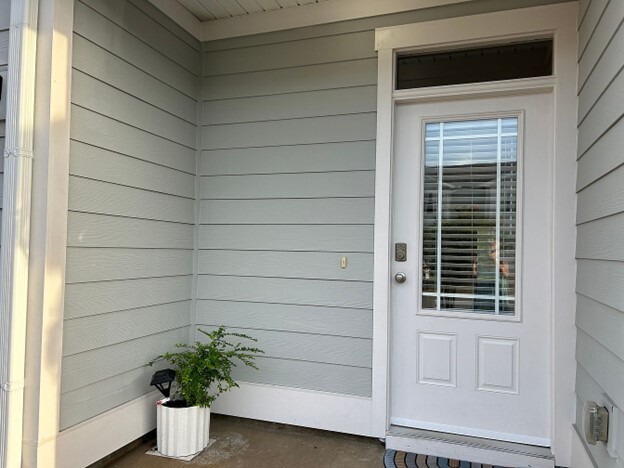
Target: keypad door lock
[{"x": 400, "y": 252}]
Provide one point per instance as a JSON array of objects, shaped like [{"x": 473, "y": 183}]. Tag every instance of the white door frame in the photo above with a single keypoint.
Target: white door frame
[{"x": 556, "y": 21}]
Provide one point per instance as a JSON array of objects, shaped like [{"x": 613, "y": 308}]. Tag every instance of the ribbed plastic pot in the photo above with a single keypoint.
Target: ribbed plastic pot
[{"x": 182, "y": 431}]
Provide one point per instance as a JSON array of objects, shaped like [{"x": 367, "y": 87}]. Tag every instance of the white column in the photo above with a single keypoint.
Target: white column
[
  {"x": 48, "y": 240},
  {"x": 18, "y": 155}
]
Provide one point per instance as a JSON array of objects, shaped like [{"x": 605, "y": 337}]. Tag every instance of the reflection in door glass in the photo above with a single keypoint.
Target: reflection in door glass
[{"x": 469, "y": 216}]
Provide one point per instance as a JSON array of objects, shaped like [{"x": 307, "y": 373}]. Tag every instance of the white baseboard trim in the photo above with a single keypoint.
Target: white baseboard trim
[
  {"x": 579, "y": 458},
  {"x": 92, "y": 440},
  {"x": 318, "y": 410}
]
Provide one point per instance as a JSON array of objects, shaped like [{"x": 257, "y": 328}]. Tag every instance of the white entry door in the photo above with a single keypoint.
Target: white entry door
[{"x": 471, "y": 321}]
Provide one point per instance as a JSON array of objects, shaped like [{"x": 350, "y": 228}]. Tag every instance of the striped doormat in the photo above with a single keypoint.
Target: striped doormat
[{"x": 396, "y": 459}]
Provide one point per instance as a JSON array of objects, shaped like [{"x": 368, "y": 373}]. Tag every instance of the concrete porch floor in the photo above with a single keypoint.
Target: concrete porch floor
[{"x": 248, "y": 443}]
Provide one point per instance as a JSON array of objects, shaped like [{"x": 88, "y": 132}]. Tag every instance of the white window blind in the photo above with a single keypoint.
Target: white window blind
[{"x": 469, "y": 216}]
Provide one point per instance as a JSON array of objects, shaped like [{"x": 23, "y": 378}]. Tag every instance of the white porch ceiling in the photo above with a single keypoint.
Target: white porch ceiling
[
  {"x": 212, "y": 10},
  {"x": 209, "y": 20}
]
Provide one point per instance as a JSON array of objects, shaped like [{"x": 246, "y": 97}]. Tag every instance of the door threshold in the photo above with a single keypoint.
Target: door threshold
[{"x": 474, "y": 449}]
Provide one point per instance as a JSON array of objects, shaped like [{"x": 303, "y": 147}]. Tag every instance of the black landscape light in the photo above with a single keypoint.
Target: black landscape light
[{"x": 162, "y": 380}]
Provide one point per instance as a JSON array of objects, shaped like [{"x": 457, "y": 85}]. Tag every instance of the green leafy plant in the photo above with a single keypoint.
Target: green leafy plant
[{"x": 204, "y": 370}]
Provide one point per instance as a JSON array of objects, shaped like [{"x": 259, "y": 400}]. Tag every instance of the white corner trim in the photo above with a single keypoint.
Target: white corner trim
[
  {"x": 307, "y": 15},
  {"x": 580, "y": 457},
  {"x": 308, "y": 408},
  {"x": 556, "y": 21},
  {"x": 92, "y": 440},
  {"x": 18, "y": 154},
  {"x": 180, "y": 15},
  {"x": 48, "y": 239}
]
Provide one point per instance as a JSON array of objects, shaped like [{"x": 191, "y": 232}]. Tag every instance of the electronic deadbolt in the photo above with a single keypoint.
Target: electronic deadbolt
[{"x": 400, "y": 252}]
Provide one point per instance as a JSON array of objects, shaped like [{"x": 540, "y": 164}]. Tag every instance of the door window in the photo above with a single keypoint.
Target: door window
[{"x": 469, "y": 216}]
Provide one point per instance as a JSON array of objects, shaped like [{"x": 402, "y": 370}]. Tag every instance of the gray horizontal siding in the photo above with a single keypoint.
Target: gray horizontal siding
[
  {"x": 4, "y": 47},
  {"x": 328, "y": 349},
  {"x": 603, "y": 323},
  {"x": 91, "y": 400},
  {"x": 601, "y": 158},
  {"x": 288, "y": 211},
  {"x": 121, "y": 42},
  {"x": 94, "y": 196},
  {"x": 91, "y": 162},
  {"x": 604, "y": 197},
  {"x": 587, "y": 389},
  {"x": 103, "y": 132},
  {"x": 292, "y": 80},
  {"x": 1, "y": 169},
  {"x": 128, "y": 16},
  {"x": 288, "y": 124},
  {"x": 344, "y": 156},
  {"x": 103, "y": 297},
  {"x": 5, "y": 14},
  {"x": 330, "y": 293},
  {"x": 601, "y": 239},
  {"x": 605, "y": 368},
  {"x": 309, "y": 375},
  {"x": 304, "y": 131},
  {"x": 327, "y": 184},
  {"x": 95, "y": 61},
  {"x": 327, "y": 49},
  {"x": 86, "y": 264},
  {"x": 79, "y": 369},
  {"x": 324, "y": 238},
  {"x": 291, "y": 106},
  {"x": 132, "y": 204},
  {"x": 287, "y": 317},
  {"x": 100, "y": 231},
  {"x": 95, "y": 95},
  {"x": 312, "y": 265},
  {"x": 600, "y": 210},
  {"x": 93, "y": 332}
]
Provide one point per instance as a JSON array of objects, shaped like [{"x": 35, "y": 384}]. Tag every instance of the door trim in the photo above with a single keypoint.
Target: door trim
[{"x": 556, "y": 21}]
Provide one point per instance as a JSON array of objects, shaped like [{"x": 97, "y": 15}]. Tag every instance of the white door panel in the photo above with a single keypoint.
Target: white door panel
[{"x": 471, "y": 351}]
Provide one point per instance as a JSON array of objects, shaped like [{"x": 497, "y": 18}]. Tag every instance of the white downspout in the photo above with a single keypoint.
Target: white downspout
[{"x": 18, "y": 155}]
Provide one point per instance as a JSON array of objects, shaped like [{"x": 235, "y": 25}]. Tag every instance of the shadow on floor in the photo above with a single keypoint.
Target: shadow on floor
[{"x": 247, "y": 443}]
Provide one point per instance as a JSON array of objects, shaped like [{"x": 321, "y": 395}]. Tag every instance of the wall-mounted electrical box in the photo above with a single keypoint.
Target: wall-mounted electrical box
[
  {"x": 3, "y": 85},
  {"x": 602, "y": 422},
  {"x": 595, "y": 423}
]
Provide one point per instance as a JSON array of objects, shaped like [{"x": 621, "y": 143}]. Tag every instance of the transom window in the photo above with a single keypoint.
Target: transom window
[
  {"x": 475, "y": 65},
  {"x": 469, "y": 216}
]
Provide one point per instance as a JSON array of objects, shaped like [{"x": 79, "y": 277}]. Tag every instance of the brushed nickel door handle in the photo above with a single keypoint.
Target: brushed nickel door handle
[{"x": 400, "y": 277}]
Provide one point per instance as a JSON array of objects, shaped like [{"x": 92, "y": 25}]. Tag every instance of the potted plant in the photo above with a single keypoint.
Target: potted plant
[{"x": 202, "y": 372}]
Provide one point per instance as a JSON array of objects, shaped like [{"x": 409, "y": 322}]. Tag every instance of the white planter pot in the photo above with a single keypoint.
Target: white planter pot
[{"x": 182, "y": 431}]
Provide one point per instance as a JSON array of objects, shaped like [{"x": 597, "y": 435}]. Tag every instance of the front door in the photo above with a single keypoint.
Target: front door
[{"x": 471, "y": 295}]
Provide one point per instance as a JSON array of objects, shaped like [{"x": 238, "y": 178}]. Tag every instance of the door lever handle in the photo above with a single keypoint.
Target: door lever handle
[{"x": 400, "y": 277}]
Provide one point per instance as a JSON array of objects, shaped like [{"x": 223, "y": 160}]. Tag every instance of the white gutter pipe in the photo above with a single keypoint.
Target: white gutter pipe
[{"x": 18, "y": 155}]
